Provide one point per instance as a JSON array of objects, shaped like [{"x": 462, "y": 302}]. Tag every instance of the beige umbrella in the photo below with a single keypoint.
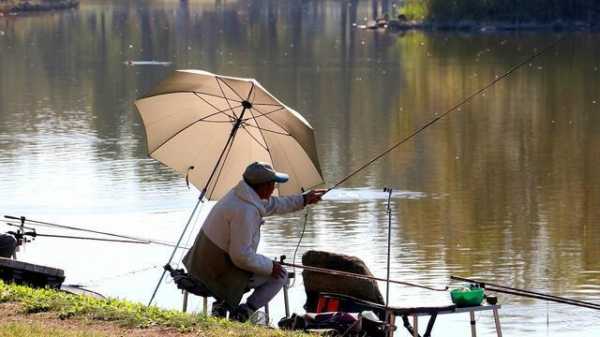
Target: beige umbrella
[{"x": 210, "y": 127}]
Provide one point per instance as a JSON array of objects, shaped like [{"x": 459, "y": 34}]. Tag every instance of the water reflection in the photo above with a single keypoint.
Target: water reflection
[{"x": 505, "y": 189}]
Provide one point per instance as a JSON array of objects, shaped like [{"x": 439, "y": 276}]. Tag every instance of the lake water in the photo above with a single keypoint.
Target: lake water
[{"x": 506, "y": 189}]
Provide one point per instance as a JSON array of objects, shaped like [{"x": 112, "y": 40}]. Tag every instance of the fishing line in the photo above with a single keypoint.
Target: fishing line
[
  {"x": 34, "y": 234},
  {"x": 298, "y": 246},
  {"x": 96, "y": 282},
  {"x": 190, "y": 235},
  {"x": 359, "y": 276},
  {"x": 80, "y": 229},
  {"x": 462, "y": 102},
  {"x": 451, "y": 109},
  {"x": 528, "y": 293}
]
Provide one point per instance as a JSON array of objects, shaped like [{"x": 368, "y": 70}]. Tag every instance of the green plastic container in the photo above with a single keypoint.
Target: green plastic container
[{"x": 465, "y": 297}]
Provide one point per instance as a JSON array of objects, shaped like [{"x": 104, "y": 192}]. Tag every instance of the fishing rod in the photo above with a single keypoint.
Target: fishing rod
[
  {"x": 32, "y": 233},
  {"x": 35, "y": 234},
  {"x": 527, "y": 293},
  {"x": 23, "y": 220},
  {"x": 450, "y": 110},
  {"x": 485, "y": 284},
  {"x": 453, "y": 108},
  {"x": 354, "y": 275}
]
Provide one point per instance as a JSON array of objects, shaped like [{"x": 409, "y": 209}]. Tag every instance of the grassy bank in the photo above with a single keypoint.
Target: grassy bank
[
  {"x": 25, "y": 311},
  {"x": 38, "y": 330},
  {"x": 507, "y": 11}
]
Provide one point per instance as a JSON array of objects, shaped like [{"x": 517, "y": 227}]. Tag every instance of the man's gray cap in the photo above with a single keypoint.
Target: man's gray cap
[{"x": 260, "y": 173}]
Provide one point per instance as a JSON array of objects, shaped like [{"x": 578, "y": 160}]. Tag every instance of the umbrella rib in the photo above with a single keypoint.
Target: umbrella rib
[
  {"x": 267, "y": 130},
  {"x": 227, "y": 84},
  {"x": 222, "y": 166},
  {"x": 265, "y": 114},
  {"x": 292, "y": 168},
  {"x": 226, "y": 98},
  {"x": 217, "y": 109},
  {"x": 268, "y": 150},
  {"x": 214, "y": 107},
  {"x": 187, "y": 92},
  {"x": 216, "y": 96},
  {"x": 253, "y": 94},
  {"x": 234, "y": 133},
  {"x": 216, "y": 113},
  {"x": 255, "y": 139},
  {"x": 222, "y": 122},
  {"x": 267, "y": 104},
  {"x": 267, "y": 117},
  {"x": 189, "y": 126}
]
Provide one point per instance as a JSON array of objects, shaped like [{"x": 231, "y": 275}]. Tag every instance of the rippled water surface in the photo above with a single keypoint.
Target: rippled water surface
[{"x": 506, "y": 188}]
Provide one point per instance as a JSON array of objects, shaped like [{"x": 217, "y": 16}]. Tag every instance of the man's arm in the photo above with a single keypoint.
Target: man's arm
[
  {"x": 282, "y": 205},
  {"x": 244, "y": 225}
]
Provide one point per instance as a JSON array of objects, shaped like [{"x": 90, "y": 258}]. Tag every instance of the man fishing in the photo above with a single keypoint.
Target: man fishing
[{"x": 224, "y": 256}]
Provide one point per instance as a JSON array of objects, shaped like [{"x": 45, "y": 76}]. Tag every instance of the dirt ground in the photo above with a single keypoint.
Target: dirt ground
[{"x": 9, "y": 313}]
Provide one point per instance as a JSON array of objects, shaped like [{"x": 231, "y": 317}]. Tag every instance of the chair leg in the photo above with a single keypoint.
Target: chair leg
[
  {"x": 390, "y": 320},
  {"x": 286, "y": 300},
  {"x": 416, "y": 325},
  {"x": 497, "y": 321},
  {"x": 409, "y": 327},
  {"x": 185, "y": 301},
  {"x": 473, "y": 327},
  {"x": 267, "y": 314}
]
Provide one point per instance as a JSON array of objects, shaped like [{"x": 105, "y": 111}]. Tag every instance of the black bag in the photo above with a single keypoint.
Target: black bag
[{"x": 337, "y": 323}]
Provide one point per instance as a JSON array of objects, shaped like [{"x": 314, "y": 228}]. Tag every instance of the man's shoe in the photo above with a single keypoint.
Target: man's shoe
[
  {"x": 242, "y": 313},
  {"x": 219, "y": 309}
]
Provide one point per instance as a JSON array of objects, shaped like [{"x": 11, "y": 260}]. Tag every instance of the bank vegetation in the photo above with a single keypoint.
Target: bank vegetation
[
  {"x": 31, "y": 312},
  {"x": 558, "y": 13}
]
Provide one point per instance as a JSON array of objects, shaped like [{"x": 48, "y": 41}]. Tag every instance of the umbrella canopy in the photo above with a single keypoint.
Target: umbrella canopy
[{"x": 189, "y": 120}]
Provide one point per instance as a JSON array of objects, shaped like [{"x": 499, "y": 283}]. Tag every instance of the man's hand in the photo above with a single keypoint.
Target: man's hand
[
  {"x": 278, "y": 271},
  {"x": 313, "y": 196}
]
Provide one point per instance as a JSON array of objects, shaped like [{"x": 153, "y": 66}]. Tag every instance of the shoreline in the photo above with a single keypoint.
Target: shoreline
[
  {"x": 483, "y": 27},
  {"x": 41, "y": 312},
  {"x": 23, "y": 7}
]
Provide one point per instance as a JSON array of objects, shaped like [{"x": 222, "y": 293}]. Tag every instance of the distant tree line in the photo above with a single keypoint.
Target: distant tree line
[
  {"x": 35, "y": 5},
  {"x": 506, "y": 10}
]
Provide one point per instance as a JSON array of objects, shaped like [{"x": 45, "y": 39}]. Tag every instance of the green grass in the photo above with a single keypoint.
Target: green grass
[{"x": 123, "y": 313}]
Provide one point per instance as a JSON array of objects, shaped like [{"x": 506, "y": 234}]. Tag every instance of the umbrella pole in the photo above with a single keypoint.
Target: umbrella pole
[
  {"x": 234, "y": 129},
  {"x": 162, "y": 276}
]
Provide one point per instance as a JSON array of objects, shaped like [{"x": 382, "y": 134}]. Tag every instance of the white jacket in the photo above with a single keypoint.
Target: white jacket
[{"x": 234, "y": 224}]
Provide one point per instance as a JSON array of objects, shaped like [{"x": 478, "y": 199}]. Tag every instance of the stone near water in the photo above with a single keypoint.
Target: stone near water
[{"x": 315, "y": 283}]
